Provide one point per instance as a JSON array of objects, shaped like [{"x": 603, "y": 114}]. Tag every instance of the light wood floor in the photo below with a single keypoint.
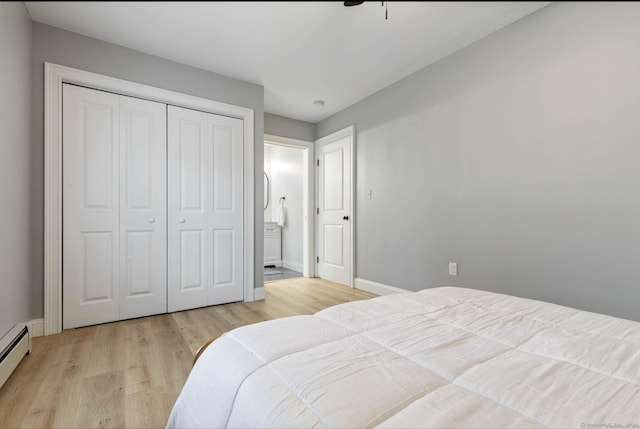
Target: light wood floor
[{"x": 129, "y": 373}]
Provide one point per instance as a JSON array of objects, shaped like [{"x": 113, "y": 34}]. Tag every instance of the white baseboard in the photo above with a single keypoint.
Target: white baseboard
[
  {"x": 292, "y": 266},
  {"x": 36, "y": 327},
  {"x": 258, "y": 294},
  {"x": 377, "y": 288}
]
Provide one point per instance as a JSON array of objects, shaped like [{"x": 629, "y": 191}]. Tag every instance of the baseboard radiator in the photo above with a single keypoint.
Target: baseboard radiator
[{"x": 13, "y": 347}]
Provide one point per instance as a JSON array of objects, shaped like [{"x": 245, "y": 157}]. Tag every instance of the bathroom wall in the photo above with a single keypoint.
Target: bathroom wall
[
  {"x": 285, "y": 168},
  {"x": 267, "y": 184}
]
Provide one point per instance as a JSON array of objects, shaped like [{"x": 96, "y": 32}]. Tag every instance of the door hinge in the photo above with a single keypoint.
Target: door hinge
[
  {"x": 318, "y": 210},
  {"x": 317, "y": 259},
  {"x": 318, "y": 162}
]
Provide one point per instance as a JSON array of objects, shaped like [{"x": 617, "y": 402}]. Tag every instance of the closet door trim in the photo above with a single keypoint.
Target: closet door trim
[{"x": 55, "y": 75}]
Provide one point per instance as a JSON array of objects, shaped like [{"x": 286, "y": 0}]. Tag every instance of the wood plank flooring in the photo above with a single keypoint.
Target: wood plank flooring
[{"x": 129, "y": 373}]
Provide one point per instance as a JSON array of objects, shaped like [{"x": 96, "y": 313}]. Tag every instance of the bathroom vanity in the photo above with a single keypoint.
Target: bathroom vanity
[{"x": 272, "y": 244}]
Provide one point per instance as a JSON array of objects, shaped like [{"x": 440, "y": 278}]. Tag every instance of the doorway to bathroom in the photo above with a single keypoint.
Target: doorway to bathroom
[{"x": 288, "y": 208}]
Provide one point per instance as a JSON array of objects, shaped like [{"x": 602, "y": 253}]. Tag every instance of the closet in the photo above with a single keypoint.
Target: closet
[{"x": 152, "y": 207}]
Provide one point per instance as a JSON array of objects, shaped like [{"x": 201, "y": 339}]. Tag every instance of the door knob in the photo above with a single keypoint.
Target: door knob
[
  {"x": 345, "y": 217},
  {"x": 182, "y": 220},
  {"x": 151, "y": 220}
]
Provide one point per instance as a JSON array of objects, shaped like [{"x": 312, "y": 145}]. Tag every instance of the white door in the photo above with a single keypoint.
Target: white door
[
  {"x": 114, "y": 227},
  {"x": 205, "y": 210},
  {"x": 334, "y": 208},
  {"x": 90, "y": 212},
  {"x": 143, "y": 207}
]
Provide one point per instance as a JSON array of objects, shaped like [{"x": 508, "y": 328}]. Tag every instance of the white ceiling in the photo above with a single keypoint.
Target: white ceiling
[{"x": 299, "y": 51}]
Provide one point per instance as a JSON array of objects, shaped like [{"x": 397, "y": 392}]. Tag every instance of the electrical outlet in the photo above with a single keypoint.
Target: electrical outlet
[{"x": 453, "y": 269}]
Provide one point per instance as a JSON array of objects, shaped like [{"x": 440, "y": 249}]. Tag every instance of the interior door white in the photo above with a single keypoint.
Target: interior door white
[
  {"x": 114, "y": 207},
  {"x": 143, "y": 207},
  {"x": 205, "y": 209},
  {"x": 90, "y": 176},
  {"x": 334, "y": 209}
]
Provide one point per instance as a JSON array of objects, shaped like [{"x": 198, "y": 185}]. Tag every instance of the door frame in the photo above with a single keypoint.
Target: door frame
[
  {"x": 308, "y": 235},
  {"x": 350, "y": 132},
  {"x": 54, "y": 76}
]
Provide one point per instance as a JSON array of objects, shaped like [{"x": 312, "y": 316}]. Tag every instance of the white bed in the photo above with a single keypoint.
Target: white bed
[{"x": 443, "y": 357}]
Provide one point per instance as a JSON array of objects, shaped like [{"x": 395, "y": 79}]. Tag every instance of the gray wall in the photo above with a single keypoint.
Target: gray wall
[
  {"x": 15, "y": 255},
  {"x": 69, "y": 49},
  {"x": 286, "y": 127},
  {"x": 517, "y": 157}
]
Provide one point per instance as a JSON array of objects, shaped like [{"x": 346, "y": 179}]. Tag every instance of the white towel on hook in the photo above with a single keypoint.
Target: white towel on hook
[{"x": 282, "y": 215}]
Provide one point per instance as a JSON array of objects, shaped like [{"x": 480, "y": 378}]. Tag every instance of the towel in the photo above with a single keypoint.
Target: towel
[{"x": 282, "y": 214}]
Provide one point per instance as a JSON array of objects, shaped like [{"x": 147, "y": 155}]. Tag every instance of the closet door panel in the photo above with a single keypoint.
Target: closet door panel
[
  {"x": 205, "y": 178},
  {"x": 223, "y": 166},
  {"x": 226, "y": 215},
  {"x": 138, "y": 264},
  {"x": 98, "y": 270},
  {"x": 191, "y": 260},
  {"x": 143, "y": 201},
  {"x": 191, "y": 145},
  {"x": 223, "y": 257},
  {"x": 90, "y": 160},
  {"x": 188, "y": 174}
]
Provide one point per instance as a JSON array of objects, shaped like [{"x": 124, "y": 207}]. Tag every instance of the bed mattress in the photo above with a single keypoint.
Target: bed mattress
[{"x": 442, "y": 357}]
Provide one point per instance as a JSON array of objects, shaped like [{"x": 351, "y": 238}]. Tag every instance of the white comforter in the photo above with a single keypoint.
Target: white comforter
[{"x": 443, "y": 357}]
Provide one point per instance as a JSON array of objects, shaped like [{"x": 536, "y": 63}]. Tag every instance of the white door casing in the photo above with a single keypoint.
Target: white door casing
[
  {"x": 308, "y": 234},
  {"x": 335, "y": 207},
  {"x": 54, "y": 77},
  {"x": 205, "y": 210},
  {"x": 114, "y": 207}
]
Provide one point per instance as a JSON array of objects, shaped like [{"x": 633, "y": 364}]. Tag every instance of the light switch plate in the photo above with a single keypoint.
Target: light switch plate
[{"x": 453, "y": 269}]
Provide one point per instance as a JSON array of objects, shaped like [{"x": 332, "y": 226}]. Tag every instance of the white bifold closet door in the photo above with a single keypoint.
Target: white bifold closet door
[
  {"x": 205, "y": 209},
  {"x": 114, "y": 207}
]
